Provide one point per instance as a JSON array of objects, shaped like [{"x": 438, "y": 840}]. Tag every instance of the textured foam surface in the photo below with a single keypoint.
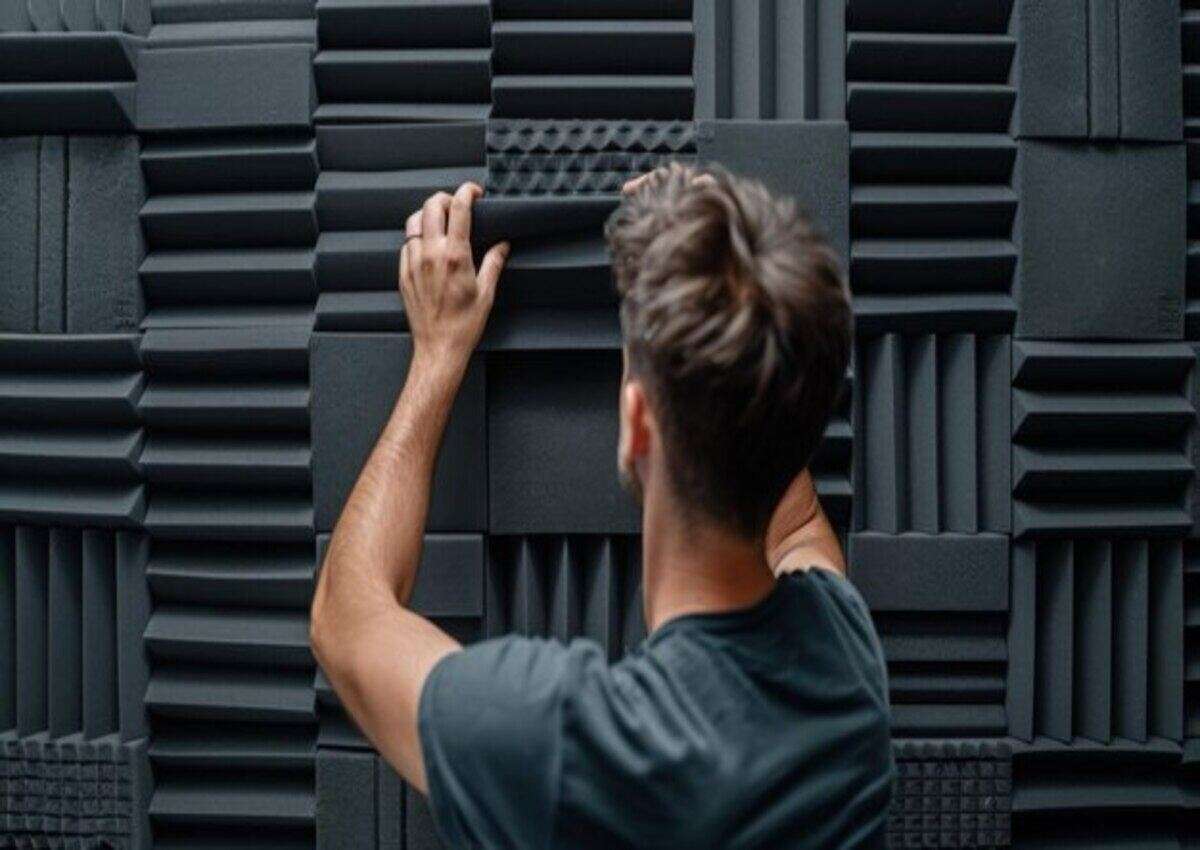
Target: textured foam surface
[{"x": 201, "y": 336}]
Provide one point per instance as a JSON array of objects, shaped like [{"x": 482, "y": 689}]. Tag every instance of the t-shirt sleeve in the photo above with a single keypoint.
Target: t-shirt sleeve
[{"x": 490, "y": 729}]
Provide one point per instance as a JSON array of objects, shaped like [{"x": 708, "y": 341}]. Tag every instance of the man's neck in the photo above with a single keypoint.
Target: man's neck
[{"x": 697, "y": 568}]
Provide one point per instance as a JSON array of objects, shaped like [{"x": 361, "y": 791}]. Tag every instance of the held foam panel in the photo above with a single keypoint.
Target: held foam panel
[
  {"x": 1101, "y": 69},
  {"x": 552, "y": 444},
  {"x": 1102, "y": 234},
  {"x": 356, "y": 380},
  {"x": 580, "y": 157},
  {"x": 372, "y": 177},
  {"x": 765, "y": 59}
]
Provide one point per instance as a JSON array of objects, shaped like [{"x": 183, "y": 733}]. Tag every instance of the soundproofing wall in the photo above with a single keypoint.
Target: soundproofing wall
[{"x": 201, "y": 204}]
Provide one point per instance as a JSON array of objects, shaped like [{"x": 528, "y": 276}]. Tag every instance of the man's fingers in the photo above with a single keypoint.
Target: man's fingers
[
  {"x": 433, "y": 215},
  {"x": 492, "y": 265},
  {"x": 459, "y": 226},
  {"x": 633, "y": 185},
  {"x": 412, "y": 227}
]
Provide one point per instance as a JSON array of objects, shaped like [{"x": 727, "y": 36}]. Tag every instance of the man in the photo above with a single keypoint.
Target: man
[{"x": 755, "y": 714}]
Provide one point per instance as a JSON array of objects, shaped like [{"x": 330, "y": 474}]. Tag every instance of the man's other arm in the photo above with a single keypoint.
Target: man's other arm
[
  {"x": 800, "y": 535},
  {"x": 375, "y": 651}
]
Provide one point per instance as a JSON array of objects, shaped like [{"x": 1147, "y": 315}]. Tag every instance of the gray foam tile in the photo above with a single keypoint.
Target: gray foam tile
[
  {"x": 1102, "y": 231},
  {"x": 356, "y": 379}
]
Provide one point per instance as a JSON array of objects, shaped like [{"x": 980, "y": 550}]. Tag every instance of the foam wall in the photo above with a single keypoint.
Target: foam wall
[{"x": 200, "y": 338}]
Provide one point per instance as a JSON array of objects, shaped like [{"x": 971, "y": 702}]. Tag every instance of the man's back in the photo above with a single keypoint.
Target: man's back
[{"x": 760, "y": 728}]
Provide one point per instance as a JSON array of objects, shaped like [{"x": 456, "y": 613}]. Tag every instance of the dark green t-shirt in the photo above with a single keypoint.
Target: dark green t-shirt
[{"x": 762, "y": 728}]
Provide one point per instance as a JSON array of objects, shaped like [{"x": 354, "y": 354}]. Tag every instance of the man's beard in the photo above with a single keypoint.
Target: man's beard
[{"x": 630, "y": 481}]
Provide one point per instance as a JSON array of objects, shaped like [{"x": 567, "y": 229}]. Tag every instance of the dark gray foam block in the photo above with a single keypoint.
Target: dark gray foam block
[
  {"x": 1104, "y": 69},
  {"x": 449, "y": 578},
  {"x": 52, "y": 236},
  {"x": 930, "y": 572},
  {"x": 1102, "y": 231},
  {"x": 805, "y": 160},
  {"x": 552, "y": 442},
  {"x": 1053, "y": 68},
  {"x": 104, "y": 242},
  {"x": 19, "y": 234},
  {"x": 521, "y": 219},
  {"x": 215, "y": 88},
  {"x": 356, "y": 379},
  {"x": 346, "y": 799},
  {"x": 1151, "y": 75}
]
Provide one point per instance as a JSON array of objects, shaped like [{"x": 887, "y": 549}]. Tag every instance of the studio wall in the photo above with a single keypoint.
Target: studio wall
[{"x": 201, "y": 204}]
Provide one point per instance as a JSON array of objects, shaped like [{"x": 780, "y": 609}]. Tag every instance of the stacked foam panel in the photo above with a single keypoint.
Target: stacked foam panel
[
  {"x": 73, "y": 769},
  {"x": 929, "y": 101},
  {"x": 1103, "y": 419},
  {"x": 403, "y": 88},
  {"x": 613, "y": 59},
  {"x": 225, "y": 101},
  {"x": 70, "y": 66},
  {"x": 230, "y": 567}
]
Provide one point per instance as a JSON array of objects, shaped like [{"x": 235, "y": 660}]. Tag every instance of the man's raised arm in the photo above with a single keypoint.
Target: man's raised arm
[
  {"x": 800, "y": 535},
  {"x": 377, "y": 653}
]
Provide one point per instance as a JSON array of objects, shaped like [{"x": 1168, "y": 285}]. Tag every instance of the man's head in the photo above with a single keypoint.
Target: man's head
[{"x": 737, "y": 329}]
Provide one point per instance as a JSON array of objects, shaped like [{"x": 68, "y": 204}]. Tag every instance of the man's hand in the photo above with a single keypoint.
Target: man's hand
[{"x": 446, "y": 300}]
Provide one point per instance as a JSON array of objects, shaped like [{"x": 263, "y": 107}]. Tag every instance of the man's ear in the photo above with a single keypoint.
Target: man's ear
[{"x": 636, "y": 424}]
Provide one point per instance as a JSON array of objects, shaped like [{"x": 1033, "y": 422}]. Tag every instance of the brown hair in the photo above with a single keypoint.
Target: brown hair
[{"x": 736, "y": 317}]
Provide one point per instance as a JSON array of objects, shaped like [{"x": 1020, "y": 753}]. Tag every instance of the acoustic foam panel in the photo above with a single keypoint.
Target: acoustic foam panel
[
  {"x": 70, "y": 431},
  {"x": 604, "y": 60},
  {"x": 410, "y": 61},
  {"x": 192, "y": 23},
  {"x": 766, "y": 59},
  {"x": 66, "y": 82},
  {"x": 929, "y": 103},
  {"x": 951, "y": 793},
  {"x": 1101, "y": 69},
  {"x": 204, "y": 88},
  {"x": 73, "y": 256},
  {"x": 230, "y": 225},
  {"x": 1101, "y": 438},
  {"x": 1101, "y": 231},
  {"x": 1095, "y": 640},
  {"x": 935, "y": 456},
  {"x": 564, "y": 587},
  {"x": 260, "y": 224},
  {"x": 940, "y": 603},
  {"x": 807, "y": 161},
  {"x": 356, "y": 379},
  {"x": 552, "y": 445}
]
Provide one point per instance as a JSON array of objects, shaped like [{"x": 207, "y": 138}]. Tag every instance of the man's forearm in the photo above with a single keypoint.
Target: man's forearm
[
  {"x": 371, "y": 564},
  {"x": 800, "y": 535}
]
